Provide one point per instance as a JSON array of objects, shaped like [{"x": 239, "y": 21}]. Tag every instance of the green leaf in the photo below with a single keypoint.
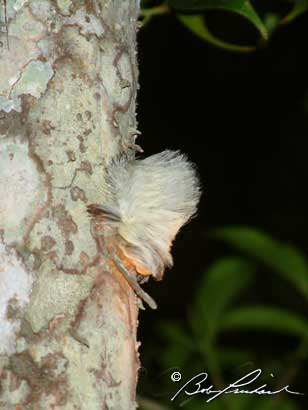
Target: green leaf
[
  {"x": 220, "y": 286},
  {"x": 197, "y": 25},
  {"x": 190, "y": 5},
  {"x": 241, "y": 7},
  {"x": 299, "y": 8},
  {"x": 271, "y": 21},
  {"x": 265, "y": 318},
  {"x": 284, "y": 259}
]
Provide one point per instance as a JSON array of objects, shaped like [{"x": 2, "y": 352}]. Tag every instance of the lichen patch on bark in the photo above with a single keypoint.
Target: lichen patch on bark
[
  {"x": 15, "y": 286},
  {"x": 23, "y": 184}
]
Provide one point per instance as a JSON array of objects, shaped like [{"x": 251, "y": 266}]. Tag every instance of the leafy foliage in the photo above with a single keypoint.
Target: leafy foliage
[
  {"x": 265, "y": 319},
  {"x": 218, "y": 310},
  {"x": 197, "y": 24},
  {"x": 192, "y": 13},
  {"x": 285, "y": 259}
]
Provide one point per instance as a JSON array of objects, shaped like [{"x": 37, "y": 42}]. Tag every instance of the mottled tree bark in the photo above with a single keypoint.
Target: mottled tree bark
[{"x": 68, "y": 319}]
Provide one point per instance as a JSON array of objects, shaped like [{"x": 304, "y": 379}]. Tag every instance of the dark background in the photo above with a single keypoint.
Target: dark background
[{"x": 242, "y": 118}]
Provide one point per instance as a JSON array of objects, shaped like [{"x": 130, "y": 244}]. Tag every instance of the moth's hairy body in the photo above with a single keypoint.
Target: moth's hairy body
[{"x": 146, "y": 203}]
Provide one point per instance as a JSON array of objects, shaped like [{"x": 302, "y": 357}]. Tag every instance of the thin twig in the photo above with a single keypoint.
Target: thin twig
[{"x": 148, "y": 14}]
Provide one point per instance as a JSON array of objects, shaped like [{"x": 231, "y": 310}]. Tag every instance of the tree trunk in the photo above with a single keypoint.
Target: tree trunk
[{"x": 68, "y": 319}]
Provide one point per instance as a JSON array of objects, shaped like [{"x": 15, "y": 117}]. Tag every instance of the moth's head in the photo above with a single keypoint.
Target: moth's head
[{"x": 103, "y": 213}]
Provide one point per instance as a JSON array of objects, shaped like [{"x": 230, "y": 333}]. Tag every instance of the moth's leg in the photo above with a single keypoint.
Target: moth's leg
[
  {"x": 132, "y": 280},
  {"x": 142, "y": 279}
]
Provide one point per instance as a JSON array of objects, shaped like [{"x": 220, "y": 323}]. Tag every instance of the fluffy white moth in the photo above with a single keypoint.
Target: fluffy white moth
[{"x": 147, "y": 202}]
